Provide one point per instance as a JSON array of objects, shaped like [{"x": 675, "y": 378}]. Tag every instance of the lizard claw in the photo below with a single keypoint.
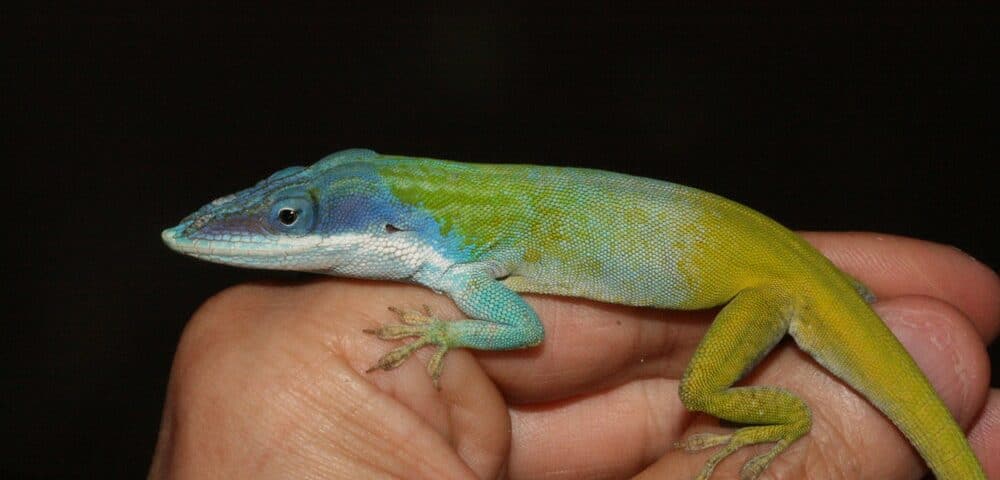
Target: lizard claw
[
  {"x": 397, "y": 356},
  {"x": 413, "y": 317}
]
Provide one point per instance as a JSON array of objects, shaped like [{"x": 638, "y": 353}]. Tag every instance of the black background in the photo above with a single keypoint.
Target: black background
[{"x": 119, "y": 122}]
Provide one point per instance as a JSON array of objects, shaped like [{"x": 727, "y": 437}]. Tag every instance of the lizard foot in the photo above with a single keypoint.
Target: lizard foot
[
  {"x": 701, "y": 441},
  {"x": 428, "y": 331},
  {"x": 730, "y": 444}
]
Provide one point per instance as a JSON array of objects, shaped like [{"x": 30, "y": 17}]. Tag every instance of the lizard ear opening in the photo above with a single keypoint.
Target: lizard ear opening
[{"x": 390, "y": 228}]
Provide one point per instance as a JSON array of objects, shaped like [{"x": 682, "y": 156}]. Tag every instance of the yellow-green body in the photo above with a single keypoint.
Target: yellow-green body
[{"x": 481, "y": 233}]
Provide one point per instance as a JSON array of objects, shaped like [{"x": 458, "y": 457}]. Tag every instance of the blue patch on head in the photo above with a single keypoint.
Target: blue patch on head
[{"x": 355, "y": 213}]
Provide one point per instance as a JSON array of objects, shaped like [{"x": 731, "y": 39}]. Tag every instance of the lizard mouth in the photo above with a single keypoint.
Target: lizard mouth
[{"x": 218, "y": 247}]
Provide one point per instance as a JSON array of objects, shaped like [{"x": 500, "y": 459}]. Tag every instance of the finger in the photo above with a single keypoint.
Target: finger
[
  {"x": 985, "y": 436},
  {"x": 894, "y": 266},
  {"x": 608, "y": 434},
  {"x": 590, "y": 345},
  {"x": 946, "y": 347},
  {"x": 623, "y": 428}
]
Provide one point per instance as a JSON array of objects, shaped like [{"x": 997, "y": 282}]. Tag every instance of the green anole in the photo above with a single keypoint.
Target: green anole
[{"x": 482, "y": 233}]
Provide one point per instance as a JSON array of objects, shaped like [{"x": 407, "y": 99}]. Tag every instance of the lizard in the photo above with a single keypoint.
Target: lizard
[{"x": 484, "y": 233}]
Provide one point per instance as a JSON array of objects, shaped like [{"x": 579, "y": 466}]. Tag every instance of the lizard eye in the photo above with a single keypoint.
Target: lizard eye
[
  {"x": 288, "y": 216},
  {"x": 293, "y": 215}
]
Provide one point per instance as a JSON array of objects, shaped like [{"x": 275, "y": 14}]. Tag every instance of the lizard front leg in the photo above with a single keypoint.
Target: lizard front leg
[{"x": 499, "y": 319}]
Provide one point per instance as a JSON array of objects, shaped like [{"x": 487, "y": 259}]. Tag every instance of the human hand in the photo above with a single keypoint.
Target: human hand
[{"x": 268, "y": 382}]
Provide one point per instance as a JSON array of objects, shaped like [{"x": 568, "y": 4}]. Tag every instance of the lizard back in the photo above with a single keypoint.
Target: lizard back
[{"x": 671, "y": 246}]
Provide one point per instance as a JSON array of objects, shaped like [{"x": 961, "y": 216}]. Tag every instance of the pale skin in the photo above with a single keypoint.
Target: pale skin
[{"x": 269, "y": 382}]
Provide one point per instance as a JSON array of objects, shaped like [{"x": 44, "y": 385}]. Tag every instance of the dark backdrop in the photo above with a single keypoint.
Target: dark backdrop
[{"x": 119, "y": 122}]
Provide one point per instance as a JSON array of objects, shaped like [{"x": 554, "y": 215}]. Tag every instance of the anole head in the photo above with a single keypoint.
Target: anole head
[{"x": 334, "y": 217}]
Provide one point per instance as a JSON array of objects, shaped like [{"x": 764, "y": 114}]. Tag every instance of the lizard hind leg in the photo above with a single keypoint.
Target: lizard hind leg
[{"x": 742, "y": 334}]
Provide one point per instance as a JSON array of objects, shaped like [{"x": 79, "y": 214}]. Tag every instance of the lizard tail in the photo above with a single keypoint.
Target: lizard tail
[{"x": 852, "y": 342}]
